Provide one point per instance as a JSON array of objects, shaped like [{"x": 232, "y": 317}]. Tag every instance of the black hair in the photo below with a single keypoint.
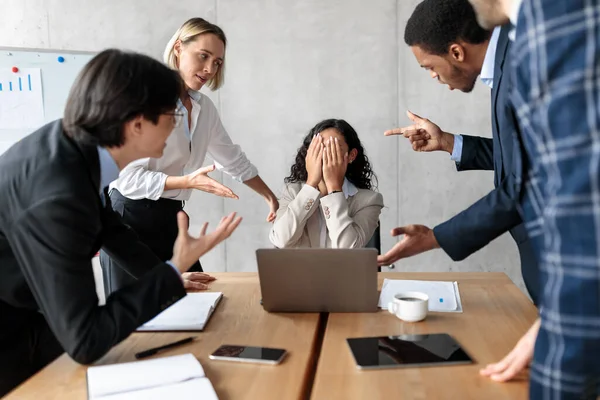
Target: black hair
[
  {"x": 359, "y": 172},
  {"x": 112, "y": 89},
  {"x": 436, "y": 24}
]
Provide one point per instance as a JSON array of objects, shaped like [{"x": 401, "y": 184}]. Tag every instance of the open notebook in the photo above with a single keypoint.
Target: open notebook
[
  {"x": 189, "y": 314},
  {"x": 177, "y": 377}
]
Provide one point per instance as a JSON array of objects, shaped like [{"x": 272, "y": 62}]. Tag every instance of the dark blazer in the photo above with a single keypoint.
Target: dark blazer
[
  {"x": 52, "y": 223},
  {"x": 497, "y": 212}
]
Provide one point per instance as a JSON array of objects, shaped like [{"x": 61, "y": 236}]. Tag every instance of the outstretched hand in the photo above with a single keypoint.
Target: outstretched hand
[
  {"x": 424, "y": 135},
  {"x": 187, "y": 249},
  {"x": 417, "y": 239},
  {"x": 200, "y": 180}
]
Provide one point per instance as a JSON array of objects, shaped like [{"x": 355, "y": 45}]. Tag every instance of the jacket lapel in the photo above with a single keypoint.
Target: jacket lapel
[{"x": 501, "y": 48}]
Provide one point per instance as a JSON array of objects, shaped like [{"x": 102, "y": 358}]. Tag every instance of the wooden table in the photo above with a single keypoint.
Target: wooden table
[
  {"x": 239, "y": 319},
  {"x": 496, "y": 314}
]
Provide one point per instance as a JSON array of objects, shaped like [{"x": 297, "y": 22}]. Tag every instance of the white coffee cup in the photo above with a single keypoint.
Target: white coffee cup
[{"x": 410, "y": 306}]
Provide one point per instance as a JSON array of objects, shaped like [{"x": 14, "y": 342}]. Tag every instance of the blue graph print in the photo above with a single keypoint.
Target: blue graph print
[{"x": 21, "y": 84}]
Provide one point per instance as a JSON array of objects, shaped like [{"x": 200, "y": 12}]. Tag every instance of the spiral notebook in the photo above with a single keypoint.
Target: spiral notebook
[{"x": 191, "y": 313}]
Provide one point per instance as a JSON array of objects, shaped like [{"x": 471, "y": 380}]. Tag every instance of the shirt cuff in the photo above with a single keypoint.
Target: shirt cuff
[
  {"x": 457, "y": 150},
  {"x": 176, "y": 269}
]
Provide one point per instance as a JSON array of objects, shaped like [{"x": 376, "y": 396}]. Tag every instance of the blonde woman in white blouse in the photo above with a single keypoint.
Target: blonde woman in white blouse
[
  {"x": 149, "y": 193},
  {"x": 328, "y": 200}
]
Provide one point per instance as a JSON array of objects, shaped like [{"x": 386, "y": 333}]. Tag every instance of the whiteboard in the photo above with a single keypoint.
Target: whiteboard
[{"x": 56, "y": 81}]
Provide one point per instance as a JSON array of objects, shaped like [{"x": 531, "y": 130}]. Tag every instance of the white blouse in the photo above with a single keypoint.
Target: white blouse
[{"x": 185, "y": 152}]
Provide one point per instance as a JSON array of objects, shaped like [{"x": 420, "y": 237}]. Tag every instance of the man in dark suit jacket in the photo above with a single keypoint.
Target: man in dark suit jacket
[
  {"x": 447, "y": 41},
  {"x": 54, "y": 217}
]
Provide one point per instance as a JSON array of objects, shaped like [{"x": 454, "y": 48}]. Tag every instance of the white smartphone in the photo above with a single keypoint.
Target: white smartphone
[{"x": 250, "y": 354}]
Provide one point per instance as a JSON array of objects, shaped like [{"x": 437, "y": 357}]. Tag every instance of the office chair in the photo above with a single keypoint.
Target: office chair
[{"x": 375, "y": 242}]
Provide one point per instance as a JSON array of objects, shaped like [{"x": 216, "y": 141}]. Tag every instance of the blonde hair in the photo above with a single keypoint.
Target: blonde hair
[{"x": 188, "y": 32}]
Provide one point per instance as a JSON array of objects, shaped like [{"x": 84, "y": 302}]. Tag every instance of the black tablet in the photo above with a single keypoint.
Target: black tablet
[{"x": 407, "y": 351}]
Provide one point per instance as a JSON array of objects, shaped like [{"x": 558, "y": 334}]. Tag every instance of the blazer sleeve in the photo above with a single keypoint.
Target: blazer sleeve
[
  {"x": 293, "y": 212},
  {"x": 477, "y": 154},
  {"x": 350, "y": 232},
  {"x": 52, "y": 242},
  {"x": 482, "y": 222}
]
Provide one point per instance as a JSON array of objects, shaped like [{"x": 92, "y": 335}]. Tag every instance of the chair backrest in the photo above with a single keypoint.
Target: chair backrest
[{"x": 375, "y": 241}]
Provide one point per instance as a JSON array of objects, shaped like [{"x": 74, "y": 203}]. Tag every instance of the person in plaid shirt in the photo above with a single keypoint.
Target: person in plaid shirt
[{"x": 556, "y": 97}]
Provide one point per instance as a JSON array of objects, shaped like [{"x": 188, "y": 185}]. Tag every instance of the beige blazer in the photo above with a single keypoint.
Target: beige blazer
[{"x": 350, "y": 223}]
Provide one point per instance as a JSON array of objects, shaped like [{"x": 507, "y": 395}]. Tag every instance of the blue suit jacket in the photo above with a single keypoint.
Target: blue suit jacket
[{"x": 497, "y": 212}]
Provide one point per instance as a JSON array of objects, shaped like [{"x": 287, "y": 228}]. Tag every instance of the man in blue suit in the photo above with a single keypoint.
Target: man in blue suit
[{"x": 447, "y": 41}]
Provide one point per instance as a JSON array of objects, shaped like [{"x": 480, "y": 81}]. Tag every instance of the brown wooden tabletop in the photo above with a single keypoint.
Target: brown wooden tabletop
[
  {"x": 239, "y": 319},
  {"x": 496, "y": 314}
]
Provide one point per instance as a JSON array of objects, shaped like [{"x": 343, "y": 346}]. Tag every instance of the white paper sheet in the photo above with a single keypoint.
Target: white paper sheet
[
  {"x": 190, "y": 313},
  {"x": 189, "y": 390},
  {"x": 21, "y": 99},
  {"x": 106, "y": 380},
  {"x": 443, "y": 296}
]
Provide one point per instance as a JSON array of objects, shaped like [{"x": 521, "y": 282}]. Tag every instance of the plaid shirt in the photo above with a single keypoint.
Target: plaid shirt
[{"x": 556, "y": 95}]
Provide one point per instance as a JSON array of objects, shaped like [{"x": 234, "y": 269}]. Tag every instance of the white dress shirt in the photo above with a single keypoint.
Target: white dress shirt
[
  {"x": 489, "y": 61},
  {"x": 513, "y": 16},
  {"x": 486, "y": 76},
  {"x": 185, "y": 152}
]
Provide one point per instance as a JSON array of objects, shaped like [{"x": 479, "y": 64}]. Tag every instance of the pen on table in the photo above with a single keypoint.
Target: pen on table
[{"x": 151, "y": 352}]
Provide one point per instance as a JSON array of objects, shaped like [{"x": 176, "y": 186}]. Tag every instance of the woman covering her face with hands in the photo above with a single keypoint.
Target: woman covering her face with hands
[{"x": 328, "y": 200}]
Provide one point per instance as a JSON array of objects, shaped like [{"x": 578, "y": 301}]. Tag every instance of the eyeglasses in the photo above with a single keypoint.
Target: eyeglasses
[{"x": 177, "y": 118}]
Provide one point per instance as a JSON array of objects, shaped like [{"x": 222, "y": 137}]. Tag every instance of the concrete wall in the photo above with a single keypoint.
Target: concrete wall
[{"x": 289, "y": 65}]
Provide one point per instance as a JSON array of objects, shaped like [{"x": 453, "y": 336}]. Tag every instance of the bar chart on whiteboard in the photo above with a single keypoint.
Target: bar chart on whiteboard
[{"x": 21, "y": 99}]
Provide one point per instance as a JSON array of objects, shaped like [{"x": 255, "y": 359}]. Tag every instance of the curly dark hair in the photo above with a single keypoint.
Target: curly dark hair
[
  {"x": 436, "y": 24},
  {"x": 359, "y": 172}
]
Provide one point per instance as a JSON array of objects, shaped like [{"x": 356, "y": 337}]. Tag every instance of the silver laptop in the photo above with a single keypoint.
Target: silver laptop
[{"x": 318, "y": 280}]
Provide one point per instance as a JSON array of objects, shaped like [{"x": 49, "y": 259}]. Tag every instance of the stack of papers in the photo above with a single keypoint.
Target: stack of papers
[
  {"x": 178, "y": 377},
  {"x": 443, "y": 296},
  {"x": 189, "y": 314}
]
